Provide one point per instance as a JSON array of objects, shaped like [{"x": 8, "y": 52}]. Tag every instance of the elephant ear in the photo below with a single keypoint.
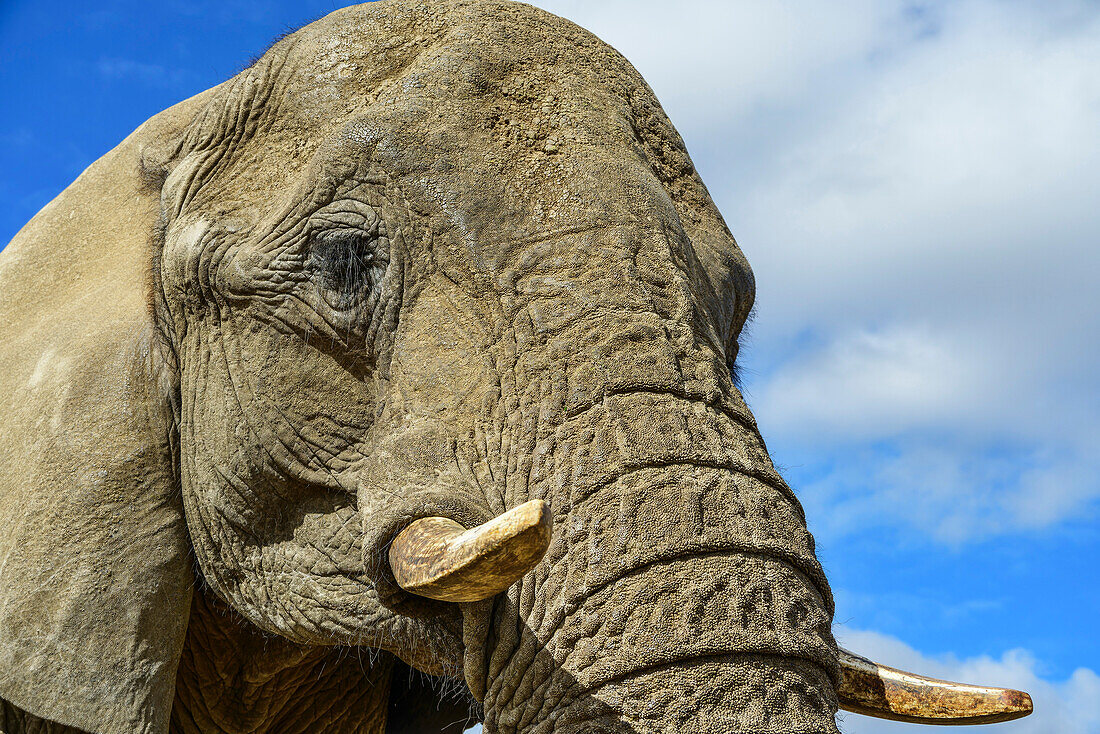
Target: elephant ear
[{"x": 95, "y": 573}]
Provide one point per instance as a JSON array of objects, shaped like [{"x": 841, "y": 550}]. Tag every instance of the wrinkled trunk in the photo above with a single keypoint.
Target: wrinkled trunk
[{"x": 681, "y": 592}]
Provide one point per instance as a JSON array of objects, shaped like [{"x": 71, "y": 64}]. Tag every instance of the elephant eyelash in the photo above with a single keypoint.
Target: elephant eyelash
[
  {"x": 733, "y": 350},
  {"x": 345, "y": 262},
  {"x": 736, "y": 374}
]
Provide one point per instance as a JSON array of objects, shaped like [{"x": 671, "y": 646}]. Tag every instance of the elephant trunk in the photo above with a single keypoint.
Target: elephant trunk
[{"x": 681, "y": 592}]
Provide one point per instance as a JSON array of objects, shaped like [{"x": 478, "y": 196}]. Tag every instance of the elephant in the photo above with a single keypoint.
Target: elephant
[{"x": 392, "y": 384}]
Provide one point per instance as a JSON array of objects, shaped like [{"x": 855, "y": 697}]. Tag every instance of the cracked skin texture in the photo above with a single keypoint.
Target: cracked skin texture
[{"x": 418, "y": 259}]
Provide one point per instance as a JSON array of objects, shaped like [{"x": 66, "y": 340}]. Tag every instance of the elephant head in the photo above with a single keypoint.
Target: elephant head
[{"x": 416, "y": 337}]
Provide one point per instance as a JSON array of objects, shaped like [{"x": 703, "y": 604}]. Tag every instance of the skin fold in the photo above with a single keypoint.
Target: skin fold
[{"x": 419, "y": 259}]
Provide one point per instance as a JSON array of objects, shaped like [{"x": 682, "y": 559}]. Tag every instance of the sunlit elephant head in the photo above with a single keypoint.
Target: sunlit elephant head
[{"x": 442, "y": 260}]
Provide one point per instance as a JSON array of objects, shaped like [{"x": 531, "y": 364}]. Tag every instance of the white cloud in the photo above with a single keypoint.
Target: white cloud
[
  {"x": 951, "y": 493},
  {"x": 151, "y": 74},
  {"x": 950, "y": 183},
  {"x": 1071, "y": 706},
  {"x": 713, "y": 64},
  {"x": 926, "y": 430},
  {"x": 865, "y": 383}
]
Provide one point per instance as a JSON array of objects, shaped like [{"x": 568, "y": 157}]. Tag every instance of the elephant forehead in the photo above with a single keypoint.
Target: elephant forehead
[
  {"x": 498, "y": 115},
  {"x": 508, "y": 126},
  {"x": 475, "y": 42},
  {"x": 493, "y": 82}
]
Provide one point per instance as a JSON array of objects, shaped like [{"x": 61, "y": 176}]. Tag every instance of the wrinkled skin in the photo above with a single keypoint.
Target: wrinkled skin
[{"x": 442, "y": 259}]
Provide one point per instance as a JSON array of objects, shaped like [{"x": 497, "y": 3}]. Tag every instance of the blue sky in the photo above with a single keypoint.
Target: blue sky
[{"x": 915, "y": 185}]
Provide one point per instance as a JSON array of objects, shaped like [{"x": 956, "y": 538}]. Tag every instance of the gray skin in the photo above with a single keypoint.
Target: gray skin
[{"x": 417, "y": 260}]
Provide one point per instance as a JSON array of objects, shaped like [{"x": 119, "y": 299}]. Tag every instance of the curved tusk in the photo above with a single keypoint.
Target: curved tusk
[
  {"x": 886, "y": 693},
  {"x": 438, "y": 558}
]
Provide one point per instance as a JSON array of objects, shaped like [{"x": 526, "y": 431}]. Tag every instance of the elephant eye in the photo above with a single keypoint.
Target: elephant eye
[{"x": 345, "y": 261}]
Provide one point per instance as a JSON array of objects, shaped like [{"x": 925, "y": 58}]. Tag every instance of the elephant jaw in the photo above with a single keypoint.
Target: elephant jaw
[{"x": 437, "y": 558}]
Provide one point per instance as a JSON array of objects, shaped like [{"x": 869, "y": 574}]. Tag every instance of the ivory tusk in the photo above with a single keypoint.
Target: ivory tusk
[
  {"x": 886, "y": 693},
  {"x": 438, "y": 558}
]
